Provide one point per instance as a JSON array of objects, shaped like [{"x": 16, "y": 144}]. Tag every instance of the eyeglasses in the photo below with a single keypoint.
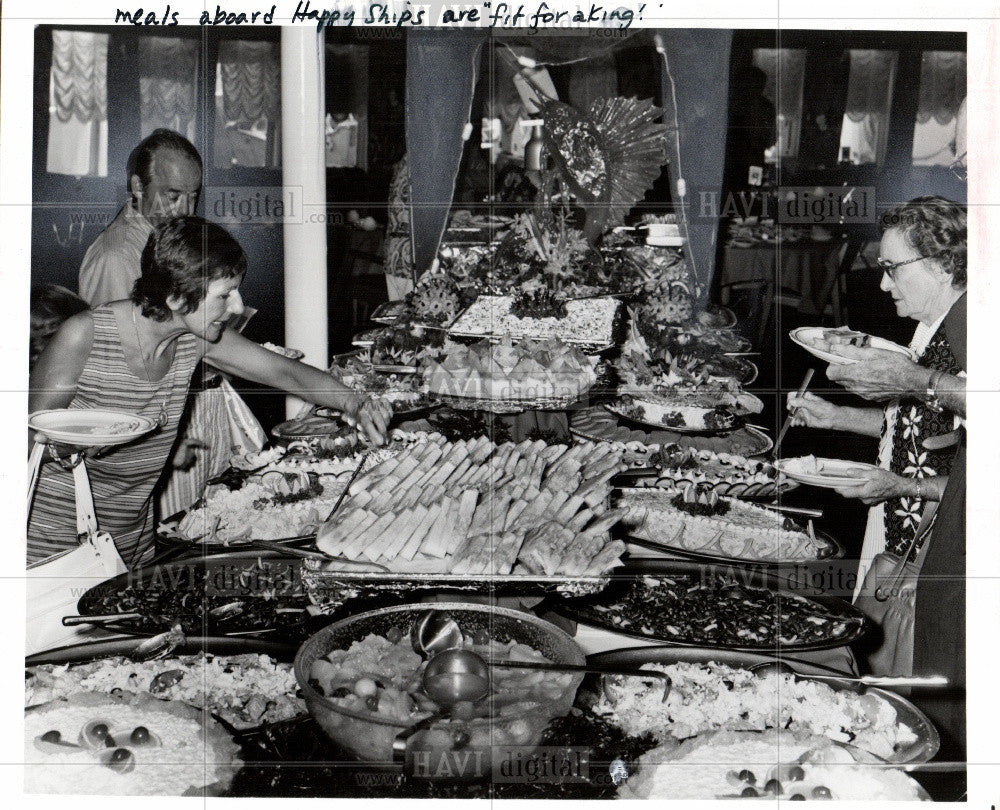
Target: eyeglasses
[{"x": 889, "y": 268}]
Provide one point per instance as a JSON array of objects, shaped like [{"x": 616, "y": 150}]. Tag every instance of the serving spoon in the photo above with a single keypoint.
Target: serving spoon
[
  {"x": 462, "y": 675},
  {"x": 781, "y": 668}
]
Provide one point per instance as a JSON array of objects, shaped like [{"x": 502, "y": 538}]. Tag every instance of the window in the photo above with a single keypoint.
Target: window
[
  {"x": 785, "y": 70},
  {"x": 78, "y": 104},
  {"x": 248, "y": 105},
  {"x": 865, "y": 129},
  {"x": 939, "y": 132}
]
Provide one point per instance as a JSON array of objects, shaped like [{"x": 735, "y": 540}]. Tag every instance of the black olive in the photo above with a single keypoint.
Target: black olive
[
  {"x": 749, "y": 793},
  {"x": 341, "y": 692},
  {"x": 748, "y": 777},
  {"x": 99, "y": 731},
  {"x": 51, "y": 736},
  {"x": 796, "y": 774},
  {"x": 796, "y": 797},
  {"x": 121, "y": 760},
  {"x": 460, "y": 739},
  {"x": 822, "y": 792},
  {"x": 140, "y": 735},
  {"x": 109, "y": 742},
  {"x": 371, "y": 702},
  {"x": 773, "y": 786}
]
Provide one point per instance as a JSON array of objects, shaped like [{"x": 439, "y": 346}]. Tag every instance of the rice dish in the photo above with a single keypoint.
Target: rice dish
[
  {"x": 245, "y": 689},
  {"x": 710, "y": 697}
]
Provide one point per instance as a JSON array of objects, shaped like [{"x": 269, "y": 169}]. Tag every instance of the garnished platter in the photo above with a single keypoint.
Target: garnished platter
[
  {"x": 219, "y": 595},
  {"x": 681, "y": 414},
  {"x": 596, "y": 424},
  {"x": 724, "y": 530},
  {"x": 922, "y": 747},
  {"x": 588, "y": 322},
  {"x": 726, "y": 474},
  {"x": 693, "y": 605}
]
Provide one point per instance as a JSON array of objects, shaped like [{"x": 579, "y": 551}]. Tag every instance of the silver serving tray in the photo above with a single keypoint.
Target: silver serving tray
[
  {"x": 330, "y": 590},
  {"x": 922, "y": 750}
]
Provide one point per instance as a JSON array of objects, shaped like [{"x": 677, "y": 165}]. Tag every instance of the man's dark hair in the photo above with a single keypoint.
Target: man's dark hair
[
  {"x": 182, "y": 257},
  {"x": 141, "y": 160},
  {"x": 935, "y": 227}
]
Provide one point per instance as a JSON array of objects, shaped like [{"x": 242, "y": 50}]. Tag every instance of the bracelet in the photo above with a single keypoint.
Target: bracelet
[{"x": 931, "y": 397}]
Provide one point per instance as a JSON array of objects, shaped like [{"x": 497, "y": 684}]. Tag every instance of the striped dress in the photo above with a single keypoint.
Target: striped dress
[{"x": 122, "y": 479}]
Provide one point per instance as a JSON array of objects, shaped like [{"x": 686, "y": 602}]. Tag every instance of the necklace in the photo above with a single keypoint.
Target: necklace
[{"x": 161, "y": 420}]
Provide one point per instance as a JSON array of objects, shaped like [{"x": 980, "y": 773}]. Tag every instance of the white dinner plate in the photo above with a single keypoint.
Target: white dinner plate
[
  {"x": 89, "y": 427},
  {"x": 832, "y": 471},
  {"x": 804, "y": 335}
]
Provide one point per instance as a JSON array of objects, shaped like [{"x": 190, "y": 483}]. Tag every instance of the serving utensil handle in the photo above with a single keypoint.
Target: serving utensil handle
[
  {"x": 73, "y": 621},
  {"x": 788, "y": 419},
  {"x": 887, "y": 680}
]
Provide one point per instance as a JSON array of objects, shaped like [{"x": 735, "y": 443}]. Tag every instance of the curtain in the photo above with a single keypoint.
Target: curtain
[
  {"x": 940, "y": 124},
  {"x": 436, "y": 60},
  {"x": 248, "y": 104},
  {"x": 942, "y": 86},
  {"x": 869, "y": 97},
  {"x": 695, "y": 95},
  {"x": 167, "y": 85},
  {"x": 78, "y": 104},
  {"x": 785, "y": 69}
]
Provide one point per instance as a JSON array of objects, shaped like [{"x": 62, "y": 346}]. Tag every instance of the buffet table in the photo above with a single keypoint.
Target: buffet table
[{"x": 564, "y": 485}]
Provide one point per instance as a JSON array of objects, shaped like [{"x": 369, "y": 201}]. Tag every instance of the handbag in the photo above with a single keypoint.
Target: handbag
[
  {"x": 888, "y": 597},
  {"x": 55, "y": 585}
]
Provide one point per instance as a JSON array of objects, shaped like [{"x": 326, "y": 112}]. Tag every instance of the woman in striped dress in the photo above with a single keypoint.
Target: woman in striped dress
[{"x": 138, "y": 356}]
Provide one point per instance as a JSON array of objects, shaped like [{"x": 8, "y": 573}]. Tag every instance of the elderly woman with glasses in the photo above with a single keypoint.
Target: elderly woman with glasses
[{"x": 923, "y": 259}]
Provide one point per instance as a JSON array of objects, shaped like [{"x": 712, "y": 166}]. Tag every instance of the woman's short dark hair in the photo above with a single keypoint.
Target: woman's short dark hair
[
  {"x": 182, "y": 257},
  {"x": 50, "y": 306},
  {"x": 934, "y": 226},
  {"x": 140, "y": 162}
]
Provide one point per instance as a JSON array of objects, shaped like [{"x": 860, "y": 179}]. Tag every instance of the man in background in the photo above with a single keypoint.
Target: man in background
[{"x": 164, "y": 180}]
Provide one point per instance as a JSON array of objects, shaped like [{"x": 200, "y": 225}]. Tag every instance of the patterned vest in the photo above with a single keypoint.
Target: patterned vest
[{"x": 914, "y": 423}]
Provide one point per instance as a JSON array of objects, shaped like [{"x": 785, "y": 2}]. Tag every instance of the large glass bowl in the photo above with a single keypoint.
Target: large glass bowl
[{"x": 445, "y": 745}]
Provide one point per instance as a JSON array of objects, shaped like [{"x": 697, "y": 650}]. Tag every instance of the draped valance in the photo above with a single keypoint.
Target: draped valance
[
  {"x": 870, "y": 84},
  {"x": 942, "y": 86},
  {"x": 167, "y": 84},
  {"x": 79, "y": 76},
  {"x": 251, "y": 80}
]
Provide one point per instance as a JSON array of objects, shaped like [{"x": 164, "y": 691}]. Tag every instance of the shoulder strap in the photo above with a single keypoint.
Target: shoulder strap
[{"x": 884, "y": 591}]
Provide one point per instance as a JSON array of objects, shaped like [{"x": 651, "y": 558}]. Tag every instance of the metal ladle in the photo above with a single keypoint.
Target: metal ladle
[
  {"x": 459, "y": 675},
  {"x": 433, "y": 632},
  {"x": 781, "y": 668}
]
